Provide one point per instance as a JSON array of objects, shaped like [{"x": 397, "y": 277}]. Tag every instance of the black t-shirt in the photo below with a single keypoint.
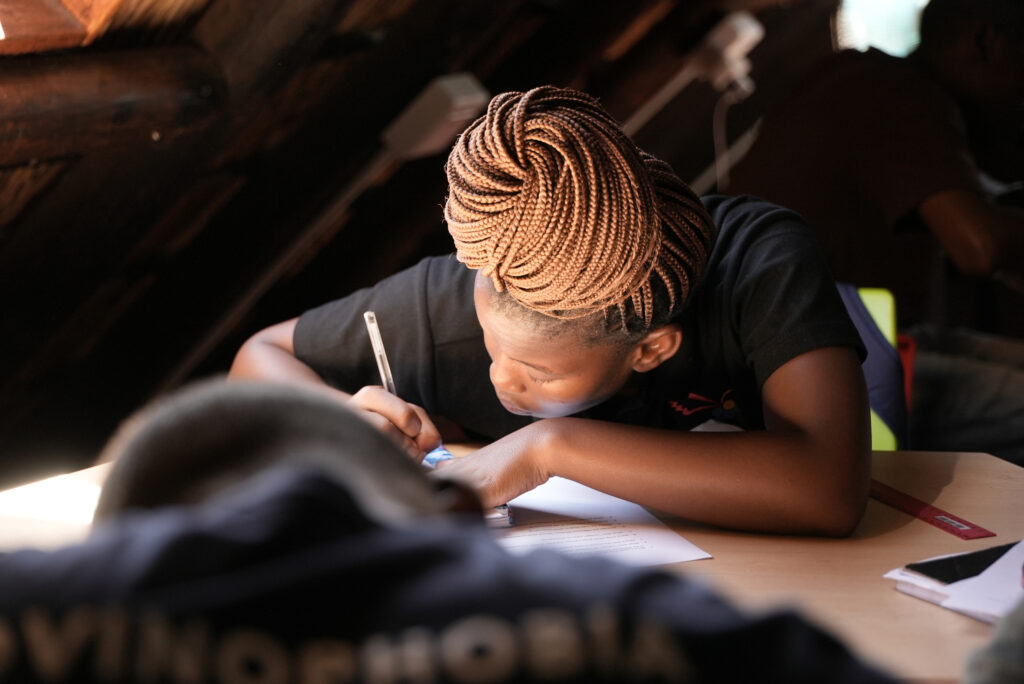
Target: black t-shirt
[
  {"x": 287, "y": 580},
  {"x": 766, "y": 298}
]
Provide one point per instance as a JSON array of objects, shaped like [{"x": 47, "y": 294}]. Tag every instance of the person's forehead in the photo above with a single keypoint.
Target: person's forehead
[
  {"x": 504, "y": 319},
  {"x": 556, "y": 345}
]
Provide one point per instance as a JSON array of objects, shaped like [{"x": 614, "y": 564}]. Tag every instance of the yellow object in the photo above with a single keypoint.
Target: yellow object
[{"x": 882, "y": 306}]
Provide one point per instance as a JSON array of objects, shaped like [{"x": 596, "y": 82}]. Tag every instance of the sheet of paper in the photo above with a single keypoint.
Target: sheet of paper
[
  {"x": 51, "y": 512},
  {"x": 928, "y": 589},
  {"x": 993, "y": 592},
  {"x": 575, "y": 519},
  {"x": 986, "y": 597}
]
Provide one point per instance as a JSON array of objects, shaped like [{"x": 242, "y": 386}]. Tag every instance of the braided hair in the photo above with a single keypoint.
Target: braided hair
[{"x": 551, "y": 201}]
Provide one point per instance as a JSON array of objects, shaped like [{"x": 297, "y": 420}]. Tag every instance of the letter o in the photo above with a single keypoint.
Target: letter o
[
  {"x": 479, "y": 649},
  {"x": 251, "y": 657}
]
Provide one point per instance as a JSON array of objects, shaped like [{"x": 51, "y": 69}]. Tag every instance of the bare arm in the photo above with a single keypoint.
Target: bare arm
[
  {"x": 981, "y": 238},
  {"x": 808, "y": 473},
  {"x": 270, "y": 355}
]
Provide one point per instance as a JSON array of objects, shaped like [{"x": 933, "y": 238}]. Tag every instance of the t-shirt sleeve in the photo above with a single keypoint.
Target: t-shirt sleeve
[
  {"x": 332, "y": 338},
  {"x": 433, "y": 340},
  {"x": 780, "y": 292}
]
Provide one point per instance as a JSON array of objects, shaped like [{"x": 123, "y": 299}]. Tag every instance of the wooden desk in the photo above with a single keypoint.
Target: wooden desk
[{"x": 837, "y": 582}]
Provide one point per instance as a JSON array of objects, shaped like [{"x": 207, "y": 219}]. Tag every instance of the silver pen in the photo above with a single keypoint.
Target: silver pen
[
  {"x": 388, "y": 380},
  {"x": 379, "y": 354}
]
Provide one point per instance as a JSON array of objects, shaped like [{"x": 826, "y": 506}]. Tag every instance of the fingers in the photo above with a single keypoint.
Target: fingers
[
  {"x": 460, "y": 498},
  {"x": 428, "y": 437},
  {"x": 492, "y": 483},
  {"x": 388, "y": 429},
  {"x": 409, "y": 425},
  {"x": 498, "y": 472}
]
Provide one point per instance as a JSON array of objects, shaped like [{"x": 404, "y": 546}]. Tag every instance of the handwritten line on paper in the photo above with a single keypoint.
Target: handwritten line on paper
[{"x": 576, "y": 536}]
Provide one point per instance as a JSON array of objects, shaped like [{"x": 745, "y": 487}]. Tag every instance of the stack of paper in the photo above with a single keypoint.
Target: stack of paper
[
  {"x": 577, "y": 520},
  {"x": 985, "y": 593}
]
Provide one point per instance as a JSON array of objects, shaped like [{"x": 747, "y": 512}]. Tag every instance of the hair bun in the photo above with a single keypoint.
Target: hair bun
[{"x": 551, "y": 200}]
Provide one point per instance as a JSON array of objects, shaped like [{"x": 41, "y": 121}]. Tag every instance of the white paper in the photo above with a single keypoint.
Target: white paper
[
  {"x": 994, "y": 591},
  {"x": 575, "y": 519},
  {"x": 49, "y": 513},
  {"x": 926, "y": 588},
  {"x": 987, "y": 596}
]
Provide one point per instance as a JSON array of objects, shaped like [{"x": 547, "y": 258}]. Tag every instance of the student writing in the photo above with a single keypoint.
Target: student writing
[{"x": 596, "y": 311}]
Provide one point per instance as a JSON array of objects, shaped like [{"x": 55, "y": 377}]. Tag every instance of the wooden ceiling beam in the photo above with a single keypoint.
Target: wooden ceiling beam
[
  {"x": 37, "y": 26},
  {"x": 69, "y": 104}
]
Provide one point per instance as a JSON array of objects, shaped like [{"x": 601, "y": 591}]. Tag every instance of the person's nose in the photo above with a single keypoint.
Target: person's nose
[{"x": 504, "y": 377}]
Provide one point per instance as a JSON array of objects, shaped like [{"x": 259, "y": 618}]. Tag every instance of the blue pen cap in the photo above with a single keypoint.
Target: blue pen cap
[{"x": 439, "y": 454}]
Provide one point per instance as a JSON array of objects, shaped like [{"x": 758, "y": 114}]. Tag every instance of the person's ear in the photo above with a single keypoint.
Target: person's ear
[{"x": 657, "y": 347}]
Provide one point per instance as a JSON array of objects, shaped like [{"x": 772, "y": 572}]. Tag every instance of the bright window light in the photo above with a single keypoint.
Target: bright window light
[{"x": 887, "y": 25}]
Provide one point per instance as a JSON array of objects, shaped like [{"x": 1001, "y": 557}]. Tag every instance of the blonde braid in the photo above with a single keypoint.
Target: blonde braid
[{"x": 551, "y": 201}]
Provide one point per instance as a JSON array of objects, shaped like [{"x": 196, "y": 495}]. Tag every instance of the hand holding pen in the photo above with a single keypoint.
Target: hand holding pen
[
  {"x": 499, "y": 516},
  {"x": 417, "y": 431}
]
